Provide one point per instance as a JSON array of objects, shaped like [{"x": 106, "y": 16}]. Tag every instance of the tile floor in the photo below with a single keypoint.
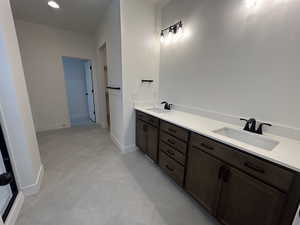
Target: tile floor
[{"x": 89, "y": 182}]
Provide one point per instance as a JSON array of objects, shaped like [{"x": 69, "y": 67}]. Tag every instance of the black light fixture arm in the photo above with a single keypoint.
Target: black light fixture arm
[{"x": 173, "y": 27}]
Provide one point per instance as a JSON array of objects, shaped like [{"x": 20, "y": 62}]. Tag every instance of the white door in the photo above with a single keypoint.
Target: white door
[
  {"x": 90, "y": 90},
  {"x": 5, "y": 191}
]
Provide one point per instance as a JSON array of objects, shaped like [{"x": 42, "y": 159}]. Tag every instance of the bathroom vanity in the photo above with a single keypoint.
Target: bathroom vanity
[{"x": 237, "y": 183}]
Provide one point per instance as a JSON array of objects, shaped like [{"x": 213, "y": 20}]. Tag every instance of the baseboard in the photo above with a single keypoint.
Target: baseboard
[
  {"x": 122, "y": 148},
  {"x": 34, "y": 188},
  {"x": 129, "y": 148},
  {"x": 15, "y": 210},
  {"x": 116, "y": 142},
  {"x": 102, "y": 124}
]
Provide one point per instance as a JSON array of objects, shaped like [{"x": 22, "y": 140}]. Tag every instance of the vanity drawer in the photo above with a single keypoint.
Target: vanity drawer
[
  {"x": 174, "y": 142},
  {"x": 259, "y": 168},
  {"x": 171, "y": 152},
  {"x": 147, "y": 118},
  {"x": 174, "y": 130},
  {"x": 172, "y": 168}
]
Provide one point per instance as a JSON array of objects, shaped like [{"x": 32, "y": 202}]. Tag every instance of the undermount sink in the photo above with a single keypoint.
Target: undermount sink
[
  {"x": 248, "y": 138},
  {"x": 158, "y": 110}
]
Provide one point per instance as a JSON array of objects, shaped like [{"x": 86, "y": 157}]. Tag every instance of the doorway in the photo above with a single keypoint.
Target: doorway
[
  {"x": 8, "y": 186},
  {"x": 104, "y": 74},
  {"x": 80, "y": 90}
]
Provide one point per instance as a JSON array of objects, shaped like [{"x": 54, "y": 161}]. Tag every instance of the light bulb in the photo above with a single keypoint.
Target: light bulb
[
  {"x": 180, "y": 30},
  {"x": 170, "y": 36},
  {"x": 162, "y": 37},
  {"x": 53, "y": 4}
]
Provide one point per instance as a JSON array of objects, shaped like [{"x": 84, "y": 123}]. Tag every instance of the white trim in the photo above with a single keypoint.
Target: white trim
[
  {"x": 102, "y": 124},
  {"x": 34, "y": 188},
  {"x": 122, "y": 148},
  {"x": 116, "y": 141},
  {"x": 15, "y": 210},
  {"x": 129, "y": 148}
]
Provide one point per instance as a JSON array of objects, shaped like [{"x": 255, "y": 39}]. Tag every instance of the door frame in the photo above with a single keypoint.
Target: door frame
[
  {"x": 92, "y": 76},
  {"x": 8, "y": 167},
  {"x": 103, "y": 86}
]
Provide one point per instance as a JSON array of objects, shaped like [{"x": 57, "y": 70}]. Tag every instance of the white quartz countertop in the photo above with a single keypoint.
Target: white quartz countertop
[{"x": 286, "y": 153}]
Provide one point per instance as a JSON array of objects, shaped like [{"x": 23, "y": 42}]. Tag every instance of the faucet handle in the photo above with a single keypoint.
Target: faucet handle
[
  {"x": 243, "y": 119},
  {"x": 167, "y": 105},
  {"x": 247, "y": 128},
  {"x": 260, "y": 130}
]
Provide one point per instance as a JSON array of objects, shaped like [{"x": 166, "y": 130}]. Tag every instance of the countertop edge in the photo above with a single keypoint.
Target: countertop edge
[{"x": 222, "y": 140}]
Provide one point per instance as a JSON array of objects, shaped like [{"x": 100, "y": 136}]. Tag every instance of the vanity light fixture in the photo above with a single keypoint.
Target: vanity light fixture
[
  {"x": 53, "y": 4},
  {"x": 173, "y": 33},
  {"x": 180, "y": 30}
]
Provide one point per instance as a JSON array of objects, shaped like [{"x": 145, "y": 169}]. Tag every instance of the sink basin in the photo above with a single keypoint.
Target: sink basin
[
  {"x": 248, "y": 138},
  {"x": 158, "y": 110}
]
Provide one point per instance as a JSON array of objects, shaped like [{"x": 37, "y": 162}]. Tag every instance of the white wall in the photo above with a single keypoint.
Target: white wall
[
  {"x": 15, "y": 112},
  {"x": 42, "y": 49},
  {"x": 235, "y": 60},
  {"x": 109, "y": 33},
  {"x": 74, "y": 70},
  {"x": 140, "y": 59}
]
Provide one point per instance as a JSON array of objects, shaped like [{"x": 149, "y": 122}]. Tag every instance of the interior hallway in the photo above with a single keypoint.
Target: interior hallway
[{"x": 88, "y": 181}]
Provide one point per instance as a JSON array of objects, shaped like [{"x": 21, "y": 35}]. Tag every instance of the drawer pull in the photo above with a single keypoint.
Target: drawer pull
[
  {"x": 169, "y": 168},
  {"x": 172, "y": 130},
  {"x": 204, "y": 146},
  {"x": 170, "y": 152},
  {"x": 171, "y": 142},
  {"x": 254, "y": 167},
  {"x": 207, "y": 146}
]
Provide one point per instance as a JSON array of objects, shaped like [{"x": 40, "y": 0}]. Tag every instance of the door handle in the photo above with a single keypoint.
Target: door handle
[
  {"x": 221, "y": 172},
  {"x": 5, "y": 179},
  {"x": 226, "y": 175}
]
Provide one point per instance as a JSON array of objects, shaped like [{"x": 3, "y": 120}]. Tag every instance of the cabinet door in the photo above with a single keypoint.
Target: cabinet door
[
  {"x": 245, "y": 200},
  {"x": 141, "y": 135},
  {"x": 152, "y": 142},
  {"x": 202, "y": 179}
]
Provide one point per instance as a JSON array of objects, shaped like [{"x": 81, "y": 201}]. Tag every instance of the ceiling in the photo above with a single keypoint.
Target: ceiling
[{"x": 75, "y": 15}]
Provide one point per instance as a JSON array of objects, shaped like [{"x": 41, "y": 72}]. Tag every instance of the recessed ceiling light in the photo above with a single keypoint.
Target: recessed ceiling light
[{"x": 53, "y": 4}]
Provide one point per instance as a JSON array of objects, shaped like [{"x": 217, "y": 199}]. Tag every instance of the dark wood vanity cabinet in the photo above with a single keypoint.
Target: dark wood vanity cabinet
[
  {"x": 172, "y": 150},
  {"x": 248, "y": 201},
  {"x": 147, "y": 136},
  {"x": 203, "y": 178},
  {"x": 230, "y": 195},
  {"x": 235, "y": 187}
]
